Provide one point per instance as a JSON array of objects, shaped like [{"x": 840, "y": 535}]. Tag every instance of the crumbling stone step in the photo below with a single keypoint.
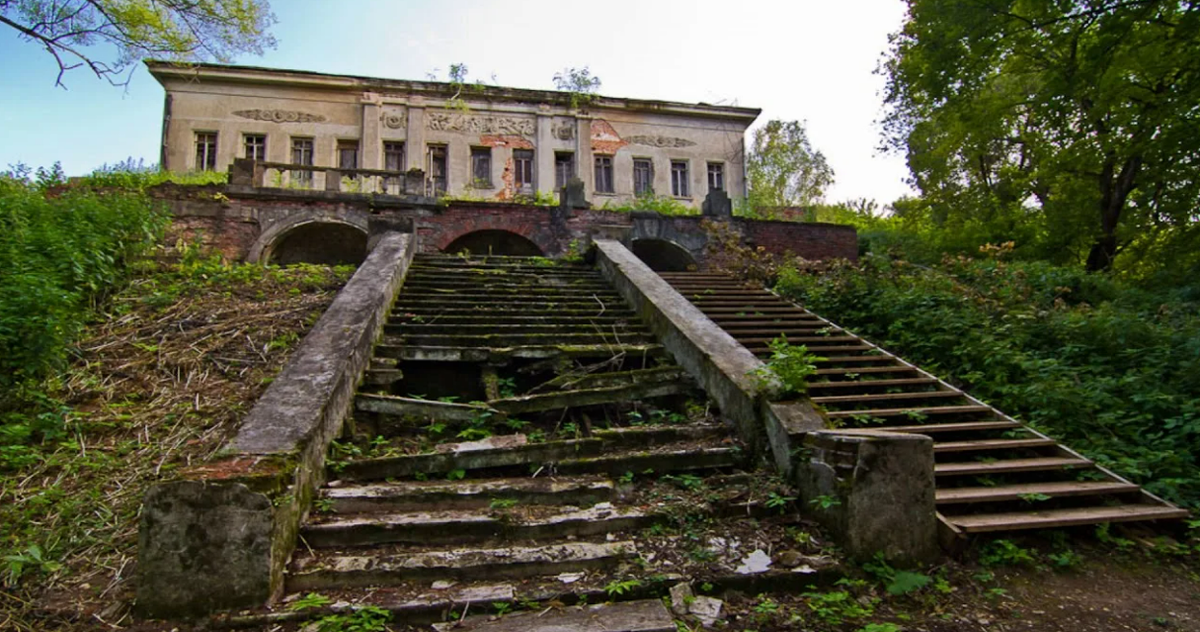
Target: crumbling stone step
[
  {"x": 1006, "y": 466},
  {"x": 540, "y": 303},
  {"x": 838, "y": 360},
  {"x": 792, "y": 315},
  {"x": 526, "y": 352},
  {"x": 477, "y": 313},
  {"x": 1060, "y": 489},
  {"x": 492, "y": 295},
  {"x": 646, "y": 389},
  {"x": 655, "y": 462},
  {"x": 852, "y": 374},
  {"x": 403, "y": 406},
  {"x": 463, "y": 526},
  {"x": 456, "y": 281},
  {"x": 649, "y": 615},
  {"x": 515, "y": 453},
  {"x": 1064, "y": 517},
  {"x": 512, "y": 320},
  {"x": 410, "y": 328},
  {"x": 969, "y": 426},
  {"x": 513, "y": 562},
  {"x": 779, "y": 325},
  {"x": 468, "y": 494},
  {"x": 514, "y": 340}
]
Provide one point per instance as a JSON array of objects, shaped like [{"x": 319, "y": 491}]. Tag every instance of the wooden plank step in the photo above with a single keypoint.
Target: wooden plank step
[
  {"x": 966, "y": 426},
  {"x": 1064, "y": 517},
  {"x": 1006, "y": 466},
  {"x": 886, "y": 397},
  {"x": 848, "y": 384},
  {"x": 992, "y": 444},
  {"x": 899, "y": 412},
  {"x": 1005, "y": 493}
]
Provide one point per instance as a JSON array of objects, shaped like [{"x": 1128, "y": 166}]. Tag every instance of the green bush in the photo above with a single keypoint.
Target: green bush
[
  {"x": 61, "y": 251},
  {"x": 1110, "y": 369}
]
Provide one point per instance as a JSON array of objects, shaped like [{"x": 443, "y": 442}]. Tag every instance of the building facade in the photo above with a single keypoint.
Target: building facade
[{"x": 471, "y": 141}]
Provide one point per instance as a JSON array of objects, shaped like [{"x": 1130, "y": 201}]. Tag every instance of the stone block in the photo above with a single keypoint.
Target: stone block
[{"x": 873, "y": 490}]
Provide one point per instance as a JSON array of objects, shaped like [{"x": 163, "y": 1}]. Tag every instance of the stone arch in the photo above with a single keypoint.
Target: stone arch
[
  {"x": 664, "y": 255},
  {"x": 494, "y": 241},
  {"x": 307, "y": 239}
]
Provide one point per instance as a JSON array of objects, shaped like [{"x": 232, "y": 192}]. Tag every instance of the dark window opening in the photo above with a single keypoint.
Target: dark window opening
[
  {"x": 643, "y": 176},
  {"x": 716, "y": 176},
  {"x": 604, "y": 174},
  {"x": 437, "y": 168},
  {"x": 679, "y": 178},
  {"x": 347, "y": 151},
  {"x": 523, "y": 170},
  {"x": 302, "y": 154},
  {"x": 256, "y": 146},
  {"x": 564, "y": 168},
  {"x": 481, "y": 167},
  {"x": 206, "y": 151},
  {"x": 393, "y": 160}
]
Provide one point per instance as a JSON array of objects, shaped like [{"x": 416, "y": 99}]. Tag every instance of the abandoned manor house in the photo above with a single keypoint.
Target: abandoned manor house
[{"x": 487, "y": 142}]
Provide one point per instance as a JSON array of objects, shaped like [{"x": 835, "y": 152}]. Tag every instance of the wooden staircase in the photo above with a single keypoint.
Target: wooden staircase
[{"x": 993, "y": 473}]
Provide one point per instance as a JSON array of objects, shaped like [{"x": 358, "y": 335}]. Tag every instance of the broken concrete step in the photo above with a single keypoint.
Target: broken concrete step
[
  {"x": 404, "y": 406},
  {"x": 992, "y": 444},
  {"x": 500, "y": 341},
  {"x": 1007, "y": 466},
  {"x": 405, "y": 303},
  {"x": 646, "y": 389},
  {"x": 464, "y": 526},
  {"x": 527, "y": 352},
  {"x": 515, "y": 562},
  {"x": 456, "y": 281},
  {"x": 481, "y": 457},
  {"x": 655, "y": 462},
  {"x": 649, "y": 615},
  {"x": 468, "y": 494},
  {"x": 755, "y": 311},
  {"x": 1005, "y": 493},
  {"x": 513, "y": 320},
  {"x": 1064, "y": 517},
  {"x": 476, "y": 313},
  {"x": 779, "y": 325},
  {"x": 489, "y": 291},
  {"x": 839, "y": 360},
  {"x": 791, "y": 315},
  {"x": 410, "y": 328}
]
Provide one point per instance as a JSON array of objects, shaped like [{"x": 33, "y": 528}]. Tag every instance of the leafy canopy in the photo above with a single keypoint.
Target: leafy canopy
[
  {"x": 177, "y": 30},
  {"x": 784, "y": 169},
  {"x": 1073, "y": 119}
]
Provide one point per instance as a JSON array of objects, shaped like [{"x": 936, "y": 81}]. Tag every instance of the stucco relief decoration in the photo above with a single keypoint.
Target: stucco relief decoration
[
  {"x": 470, "y": 124},
  {"x": 605, "y": 139},
  {"x": 563, "y": 130},
  {"x": 394, "y": 121},
  {"x": 280, "y": 116},
  {"x": 659, "y": 141}
]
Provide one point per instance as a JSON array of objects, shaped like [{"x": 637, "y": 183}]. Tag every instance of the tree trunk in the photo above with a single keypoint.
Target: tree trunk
[{"x": 1114, "y": 192}]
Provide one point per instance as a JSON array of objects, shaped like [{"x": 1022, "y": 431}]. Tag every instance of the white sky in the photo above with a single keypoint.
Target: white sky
[{"x": 800, "y": 59}]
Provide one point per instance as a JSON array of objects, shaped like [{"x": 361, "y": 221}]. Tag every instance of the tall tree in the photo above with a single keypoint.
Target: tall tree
[
  {"x": 784, "y": 169},
  {"x": 1081, "y": 114},
  {"x": 179, "y": 30}
]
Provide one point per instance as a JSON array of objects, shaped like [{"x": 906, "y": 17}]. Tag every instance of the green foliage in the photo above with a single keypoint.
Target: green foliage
[
  {"x": 1066, "y": 124},
  {"x": 579, "y": 83},
  {"x": 61, "y": 254},
  {"x": 1107, "y": 367},
  {"x": 783, "y": 169},
  {"x": 363, "y": 619},
  {"x": 31, "y": 559},
  {"x": 309, "y": 602},
  {"x": 1005, "y": 553},
  {"x": 779, "y": 501},
  {"x": 790, "y": 364},
  {"x": 905, "y": 582},
  {"x": 82, "y": 33},
  {"x": 649, "y": 202},
  {"x": 620, "y": 587},
  {"x": 836, "y": 607},
  {"x": 825, "y": 503}
]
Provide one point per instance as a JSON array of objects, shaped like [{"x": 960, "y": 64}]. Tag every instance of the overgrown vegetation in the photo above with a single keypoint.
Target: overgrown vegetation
[{"x": 1110, "y": 368}]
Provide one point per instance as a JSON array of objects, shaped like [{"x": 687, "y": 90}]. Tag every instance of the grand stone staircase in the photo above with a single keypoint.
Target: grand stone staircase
[
  {"x": 522, "y": 442},
  {"x": 992, "y": 472}
]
